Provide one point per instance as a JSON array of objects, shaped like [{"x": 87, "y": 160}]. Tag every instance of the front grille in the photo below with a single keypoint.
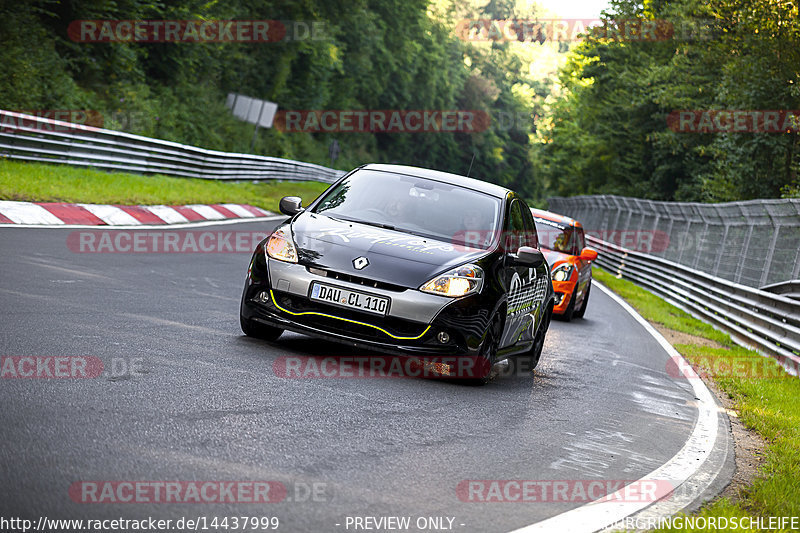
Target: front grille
[
  {"x": 366, "y": 282},
  {"x": 395, "y": 326}
]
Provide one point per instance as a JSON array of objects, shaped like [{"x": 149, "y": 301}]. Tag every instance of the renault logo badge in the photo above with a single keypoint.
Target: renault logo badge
[{"x": 360, "y": 262}]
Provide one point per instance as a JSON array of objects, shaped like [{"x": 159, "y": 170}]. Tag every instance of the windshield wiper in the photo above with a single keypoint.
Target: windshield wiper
[
  {"x": 377, "y": 225},
  {"x": 398, "y": 229},
  {"x": 382, "y": 226},
  {"x": 345, "y": 219}
]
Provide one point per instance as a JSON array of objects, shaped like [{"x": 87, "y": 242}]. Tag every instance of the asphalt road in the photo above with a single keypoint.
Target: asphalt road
[{"x": 204, "y": 404}]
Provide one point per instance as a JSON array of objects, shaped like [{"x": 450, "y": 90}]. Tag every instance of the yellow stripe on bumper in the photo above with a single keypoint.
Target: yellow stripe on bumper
[{"x": 346, "y": 320}]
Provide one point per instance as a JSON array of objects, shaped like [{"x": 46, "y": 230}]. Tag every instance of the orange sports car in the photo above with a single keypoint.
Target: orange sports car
[{"x": 563, "y": 243}]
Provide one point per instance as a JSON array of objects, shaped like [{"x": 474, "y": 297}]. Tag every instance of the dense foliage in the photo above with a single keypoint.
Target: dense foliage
[
  {"x": 370, "y": 54},
  {"x": 609, "y": 130},
  {"x": 598, "y": 127}
]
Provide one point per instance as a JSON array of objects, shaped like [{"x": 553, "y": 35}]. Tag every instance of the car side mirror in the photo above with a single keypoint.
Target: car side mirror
[
  {"x": 587, "y": 254},
  {"x": 290, "y": 205},
  {"x": 527, "y": 256}
]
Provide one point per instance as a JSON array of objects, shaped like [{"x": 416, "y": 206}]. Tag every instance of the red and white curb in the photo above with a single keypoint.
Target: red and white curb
[{"x": 58, "y": 214}]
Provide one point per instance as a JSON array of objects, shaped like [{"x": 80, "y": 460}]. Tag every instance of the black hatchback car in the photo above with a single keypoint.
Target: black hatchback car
[{"x": 406, "y": 261}]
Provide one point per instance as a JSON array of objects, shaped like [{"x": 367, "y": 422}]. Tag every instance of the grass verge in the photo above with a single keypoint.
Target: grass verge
[
  {"x": 765, "y": 397},
  {"x": 35, "y": 182}
]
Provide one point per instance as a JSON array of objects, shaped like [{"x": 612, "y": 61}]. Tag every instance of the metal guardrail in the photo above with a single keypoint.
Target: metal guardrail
[
  {"x": 31, "y": 138},
  {"x": 768, "y": 322},
  {"x": 790, "y": 289},
  {"x": 753, "y": 242}
]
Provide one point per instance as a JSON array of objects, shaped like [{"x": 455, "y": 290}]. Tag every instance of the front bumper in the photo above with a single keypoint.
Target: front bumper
[
  {"x": 411, "y": 327},
  {"x": 564, "y": 291}
]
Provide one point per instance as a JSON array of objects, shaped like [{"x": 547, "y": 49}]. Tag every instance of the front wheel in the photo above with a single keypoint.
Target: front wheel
[
  {"x": 580, "y": 312},
  {"x": 259, "y": 331},
  {"x": 488, "y": 352},
  {"x": 570, "y": 311},
  {"x": 526, "y": 362}
]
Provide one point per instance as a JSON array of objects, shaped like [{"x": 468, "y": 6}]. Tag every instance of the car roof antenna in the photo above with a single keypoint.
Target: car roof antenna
[{"x": 470, "y": 164}]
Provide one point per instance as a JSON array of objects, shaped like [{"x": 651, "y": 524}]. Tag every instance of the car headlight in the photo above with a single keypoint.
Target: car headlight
[
  {"x": 562, "y": 272},
  {"x": 281, "y": 247},
  {"x": 460, "y": 281}
]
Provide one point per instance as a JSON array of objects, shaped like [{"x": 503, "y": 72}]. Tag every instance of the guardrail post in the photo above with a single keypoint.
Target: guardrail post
[
  {"x": 688, "y": 232},
  {"x": 701, "y": 235},
  {"x": 722, "y": 244},
  {"x": 618, "y": 214},
  {"x": 738, "y": 276},
  {"x": 796, "y": 273},
  {"x": 776, "y": 228}
]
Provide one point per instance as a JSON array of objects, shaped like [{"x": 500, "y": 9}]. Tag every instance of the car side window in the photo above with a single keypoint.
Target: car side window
[
  {"x": 520, "y": 232},
  {"x": 530, "y": 227},
  {"x": 580, "y": 241},
  {"x": 515, "y": 229}
]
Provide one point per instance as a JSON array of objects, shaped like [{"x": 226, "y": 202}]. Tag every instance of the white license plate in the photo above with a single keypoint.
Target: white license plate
[{"x": 361, "y": 301}]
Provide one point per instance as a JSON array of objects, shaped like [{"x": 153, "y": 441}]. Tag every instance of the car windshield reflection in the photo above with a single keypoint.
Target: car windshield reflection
[{"x": 415, "y": 205}]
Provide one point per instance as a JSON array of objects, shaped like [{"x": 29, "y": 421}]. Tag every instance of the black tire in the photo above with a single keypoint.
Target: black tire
[
  {"x": 259, "y": 331},
  {"x": 570, "y": 312},
  {"x": 526, "y": 362},
  {"x": 580, "y": 312},
  {"x": 485, "y": 360}
]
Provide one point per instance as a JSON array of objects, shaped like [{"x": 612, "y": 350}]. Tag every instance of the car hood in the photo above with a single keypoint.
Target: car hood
[
  {"x": 394, "y": 257},
  {"x": 553, "y": 257}
]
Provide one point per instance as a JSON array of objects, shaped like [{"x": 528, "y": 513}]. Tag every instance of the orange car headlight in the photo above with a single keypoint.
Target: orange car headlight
[{"x": 562, "y": 272}]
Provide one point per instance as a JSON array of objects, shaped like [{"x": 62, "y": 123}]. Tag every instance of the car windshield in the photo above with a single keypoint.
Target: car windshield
[
  {"x": 555, "y": 236},
  {"x": 415, "y": 205}
]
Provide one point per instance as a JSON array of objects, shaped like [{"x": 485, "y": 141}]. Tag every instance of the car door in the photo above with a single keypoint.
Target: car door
[
  {"x": 541, "y": 275},
  {"x": 524, "y": 285},
  {"x": 584, "y": 267}
]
